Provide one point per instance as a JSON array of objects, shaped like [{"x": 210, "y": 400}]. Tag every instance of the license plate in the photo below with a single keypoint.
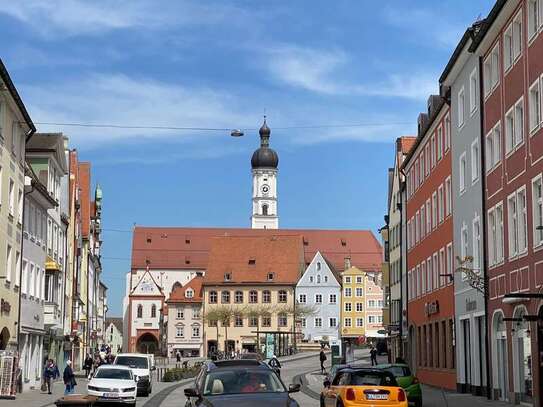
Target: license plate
[
  {"x": 111, "y": 395},
  {"x": 377, "y": 396}
]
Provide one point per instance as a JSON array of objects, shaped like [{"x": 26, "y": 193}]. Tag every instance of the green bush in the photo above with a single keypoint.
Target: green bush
[{"x": 176, "y": 374}]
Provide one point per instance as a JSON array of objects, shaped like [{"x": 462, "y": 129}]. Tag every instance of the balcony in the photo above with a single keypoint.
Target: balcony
[{"x": 52, "y": 316}]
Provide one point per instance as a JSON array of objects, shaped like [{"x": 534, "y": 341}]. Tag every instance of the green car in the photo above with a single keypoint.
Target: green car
[{"x": 406, "y": 380}]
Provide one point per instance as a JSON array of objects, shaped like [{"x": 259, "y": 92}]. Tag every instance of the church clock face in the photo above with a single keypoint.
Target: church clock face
[{"x": 265, "y": 189}]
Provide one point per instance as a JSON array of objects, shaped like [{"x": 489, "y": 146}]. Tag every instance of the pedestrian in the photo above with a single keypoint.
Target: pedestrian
[
  {"x": 322, "y": 358},
  {"x": 88, "y": 365},
  {"x": 69, "y": 378},
  {"x": 178, "y": 356},
  {"x": 49, "y": 374},
  {"x": 373, "y": 355}
]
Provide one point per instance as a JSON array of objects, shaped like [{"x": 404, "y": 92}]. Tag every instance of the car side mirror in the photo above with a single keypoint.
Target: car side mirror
[
  {"x": 326, "y": 383},
  {"x": 153, "y": 368},
  {"x": 192, "y": 392},
  {"x": 294, "y": 388}
]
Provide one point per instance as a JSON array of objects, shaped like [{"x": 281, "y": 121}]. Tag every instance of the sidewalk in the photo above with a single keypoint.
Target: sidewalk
[{"x": 37, "y": 398}]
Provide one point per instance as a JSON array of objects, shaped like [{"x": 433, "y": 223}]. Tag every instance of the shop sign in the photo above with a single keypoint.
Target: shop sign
[
  {"x": 5, "y": 307},
  {"x": 431, "y": 308}
]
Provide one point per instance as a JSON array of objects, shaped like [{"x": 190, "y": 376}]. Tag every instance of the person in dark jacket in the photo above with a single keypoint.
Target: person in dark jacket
[
  {"x": 49, "y": 374},
  {"x": 322, "y": 358},
  {"x": 88, "y": 364},
  {"x": 69, "y": 378},
  {"x": 373, "y": 355}
]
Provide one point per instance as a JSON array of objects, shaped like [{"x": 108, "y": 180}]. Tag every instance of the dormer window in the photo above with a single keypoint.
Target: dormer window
[
  {"x": 187, "y": 241},
  {"x": 187, "y": 260},
  {"x": 343, "y": 242},
  {"x": 148, "y": 240},
  {"x": 189, "y": 293},
  {"x": 271, "y": 276},
  {"x": 252, "y": 262},
  {"x": 306, "y": 242},
  {"x": 227, "y": 276}
]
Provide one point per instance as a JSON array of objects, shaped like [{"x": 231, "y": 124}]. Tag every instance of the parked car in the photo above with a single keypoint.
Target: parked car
[
  {"x": 406, "y": 380},
  {"x": 113, "y": 384},
  {"x": 363, "y": 387},
  {"x": 141, "y": 368},
  {"x": 239, "y": 383}
]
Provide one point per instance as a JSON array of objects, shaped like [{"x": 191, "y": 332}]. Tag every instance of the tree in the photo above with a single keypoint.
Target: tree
[
  {"x": 297, "y": 311},
  {"x": 257, "y": 311}
]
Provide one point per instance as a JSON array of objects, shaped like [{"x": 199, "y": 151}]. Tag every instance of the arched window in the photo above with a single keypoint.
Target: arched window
[
  {"x": 282, "y": 296},
  {"x": 266, "y": 296},
  {"x": 238, "y": 297},
  {"x": 253, "y": 297},
  {"x": 265, "y": 209},
  {"x": 318, "y": 265},
  {"x": 213, "y": 297},
  {"x": 225, "y": 297},
  {"x": 318, "y": 278},
  {"x": 140, "y": 311},
  {"x": 153, "y": 311}
]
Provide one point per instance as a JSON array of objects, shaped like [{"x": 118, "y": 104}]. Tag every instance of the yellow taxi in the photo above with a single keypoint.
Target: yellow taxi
[{"x": 362, "y": 387}]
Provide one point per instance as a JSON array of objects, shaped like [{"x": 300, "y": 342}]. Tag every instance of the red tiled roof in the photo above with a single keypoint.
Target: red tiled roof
[
  {"x": 250, "y": 259},
  {"x": 84, "y": 184},
  {"x": 405, "y": 143},
  {"x": 188, "y": 248},
  {"x": 178, "y": 294}
]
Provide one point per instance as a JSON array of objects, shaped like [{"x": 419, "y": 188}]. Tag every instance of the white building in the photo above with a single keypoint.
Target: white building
[
  {"x": 319, "y": 290},
  {"x": 113, "y": 335}
]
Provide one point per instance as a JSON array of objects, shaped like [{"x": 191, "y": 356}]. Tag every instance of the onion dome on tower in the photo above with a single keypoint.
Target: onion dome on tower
[{"x": 264, "y": 157}]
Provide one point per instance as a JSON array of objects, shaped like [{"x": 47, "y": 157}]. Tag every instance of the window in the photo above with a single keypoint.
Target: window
[
  {"x": 195, "y": 331},
  {"x": 495, "y": 231},
  {"x": 238, "y": 320},
  {"x": 325, "y": 279},
  {"x": 266, "y": 297},
  {"x": 439, "y": 142},
  {"x": 153, "y": 311},
  {"x": 282, "y": 296},
  {"x": 11, "y": 197},
  {"x": 347, "y": 280},
  {"x": 318, "y": 322},
  {"x": 433, "y": 146},
  {"x": 517, "y": 36},
  {"x": 359, "y": 292},
  {"x": 333, "y": 299},
  {"x": 428, "y": 217},
  {"x": 533, "y": 18},
  {"x": 448, "y": 197},
  {"x": 332, "y": 322},
  {"x": 20, "y": 207},
  {"x": 440, "y": 204},
  {"x": 371, "y": 303},
  {"x": 436, "y": 270},
  {"x": 371, "y": 319},
  {"x": 476, "y": 232},
  {"x": 271, "y": 276},
  {"x": 347, "y": 292},
  {"x": 24, "y": 284},
  {"x": 359, "y": 322},
  {"x": 461, "y": 107},
  {"x": 253, "y": 321},
  {"x": 9, "y": 264},
  {"x": 514, "y": 126},
  {"x": 508, "y": 48},
  {"x": 427, "y": 158},
  {"x": 238, "y": 297},
  {"x": 189, "y": 293},
  {"x": 225, "y": 297},
  {"x": 449, "y": 260},
  {"x": 443, "y": 279},
  {"x": 348, "y": 307},
  {"x": 491, "y": 68},
  {"x": 180, "y": 313},
  {"x": 473, "y": 85},
  {"x": 318, "y": 266},
  {"x": 213, "y": 297},
  {"x": 266, "y": 320},
  {"x": 253, "y": 297},
  {"x": 179, "y": 331},
  {"x": 212, "y": 323},
  {"x": 537, "y": 207},
  {"x": 429, "y": 277},
  {"x": 318, "y": 298},
  {"x": 358, "y": 280},
  {"x": 516, "y": 211},
  {"x": 434, "y": 209},
  {"x": 447, "y": 132},
  {"x": 227, "y": 276},
  {"x": 195, "y": 313},
  {"x": 535, "y": 106},
  {"x": 347, "y": 322},
  {"x": 462, "y": 173},
  {"x": 310, "y": 279},
  {"x": 302, "y": 298},
  {"x": 422, "y": 223},
  {"x": 282, "y": 320},
  {"x": 493, "y": 152},
  {"x": 359, "y": 307},
  {"x": 140, "y": 307},
  {"x": 474, "y": 161},
  {"x": 264, "y": 209},
  {"x": 318, "y": 278},
  {"x": 417, "y": 227}
]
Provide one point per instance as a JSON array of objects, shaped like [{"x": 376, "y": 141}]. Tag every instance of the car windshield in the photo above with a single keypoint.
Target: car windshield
[
  {"x": 399, "y": 371},
  {"x": 135, "y": 362},
  {"x": 242, "y": 381},
  {"x": 366, "y": 379},
  {"x": 122, "y": 374}
]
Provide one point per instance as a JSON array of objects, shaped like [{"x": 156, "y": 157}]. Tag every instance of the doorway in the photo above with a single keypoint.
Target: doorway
[
  {"x": 522, "y": 355},
  {"x": 501, "y": 375},
  {"x": 467, "y": 353}
]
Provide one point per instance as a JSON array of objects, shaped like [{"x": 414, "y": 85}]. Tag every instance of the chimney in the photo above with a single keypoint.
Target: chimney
[{"x": 347, "y": 263}]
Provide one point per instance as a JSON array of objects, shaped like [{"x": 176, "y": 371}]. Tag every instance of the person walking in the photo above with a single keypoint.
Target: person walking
[
  {"x": 178, "y": 356},
  {"x": 88, "y": 365},
  {"x": 373, "y": 355},
  {"x": 69, "y": 378},
  {"x": 322, "y": 358},
  {"x": 49, "y": 374}
]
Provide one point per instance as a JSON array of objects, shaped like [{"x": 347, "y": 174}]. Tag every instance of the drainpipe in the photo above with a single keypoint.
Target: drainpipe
[{"x": 484, "y": 224}]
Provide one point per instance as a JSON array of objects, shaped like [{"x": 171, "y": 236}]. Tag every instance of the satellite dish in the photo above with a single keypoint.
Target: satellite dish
[{"x": 236, "y": 133}]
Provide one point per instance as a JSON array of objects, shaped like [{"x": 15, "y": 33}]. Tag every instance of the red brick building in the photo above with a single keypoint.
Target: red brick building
[
  {"x": 510, "y": 48},
  {"x": 430, "y": 309}
]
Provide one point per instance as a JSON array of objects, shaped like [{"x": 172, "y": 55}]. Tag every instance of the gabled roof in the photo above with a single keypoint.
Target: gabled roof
[
  {"x": 147, "y": 273},
  {"x": 49, "y": 143},
  {"x": 251, "y": 259},
  {"x": 4, "y": 75},
  {"x": 118, "y": 322},
  {"x": 189, "y": 248},
  {"x": 178, "y": 295}
]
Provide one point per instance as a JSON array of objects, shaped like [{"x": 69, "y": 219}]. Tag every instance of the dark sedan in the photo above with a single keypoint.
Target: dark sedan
[{"x": 241, "y": 383}]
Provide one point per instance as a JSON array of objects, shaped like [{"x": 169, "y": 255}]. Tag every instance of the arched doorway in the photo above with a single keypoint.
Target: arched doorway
[
  {"x": 4, "y": 338},
  {"x": 147, "y": 343},
  {"x": 522, "y": 355},
  {"x": 499, "y": 356}
]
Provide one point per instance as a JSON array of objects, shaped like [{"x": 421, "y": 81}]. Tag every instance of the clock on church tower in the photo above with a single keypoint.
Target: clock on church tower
[{"x": 264, "y": 168}]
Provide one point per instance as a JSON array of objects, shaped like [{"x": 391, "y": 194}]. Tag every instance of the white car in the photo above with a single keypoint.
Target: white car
[
  {"x": 113, "y": 384},
  {"x": 141, "y": 366}
]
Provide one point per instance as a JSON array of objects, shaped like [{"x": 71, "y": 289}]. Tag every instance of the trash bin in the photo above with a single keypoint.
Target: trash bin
[{"x": 76, "y": 400}]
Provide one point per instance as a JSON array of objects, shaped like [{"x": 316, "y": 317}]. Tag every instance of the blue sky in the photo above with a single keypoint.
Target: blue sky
[{"x": 222, "y": 64}]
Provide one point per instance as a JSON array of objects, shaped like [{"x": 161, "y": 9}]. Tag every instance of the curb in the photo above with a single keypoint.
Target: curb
[{"x": 158, "y": 398}]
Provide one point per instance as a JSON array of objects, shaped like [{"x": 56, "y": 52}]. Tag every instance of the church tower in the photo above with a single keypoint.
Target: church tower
[{"x": 264, "y": 168}]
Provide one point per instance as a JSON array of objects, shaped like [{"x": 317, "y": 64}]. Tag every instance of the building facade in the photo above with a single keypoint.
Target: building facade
[
  {"x": 184, "y": 327},
  {"x": 319, "y": 290},
  {"x": 429, "y": 249},
  {"x": 113, "y": 336},
  {"x": 15, "y": 128}
]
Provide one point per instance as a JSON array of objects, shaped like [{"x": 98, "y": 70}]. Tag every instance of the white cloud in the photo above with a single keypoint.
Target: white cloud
[
  {"x": 409, "y": 86},
  {"x": 119, "y": 99}
]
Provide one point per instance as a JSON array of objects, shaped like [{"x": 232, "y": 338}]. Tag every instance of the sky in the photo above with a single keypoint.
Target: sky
[{"x": 315, "y": 68}]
